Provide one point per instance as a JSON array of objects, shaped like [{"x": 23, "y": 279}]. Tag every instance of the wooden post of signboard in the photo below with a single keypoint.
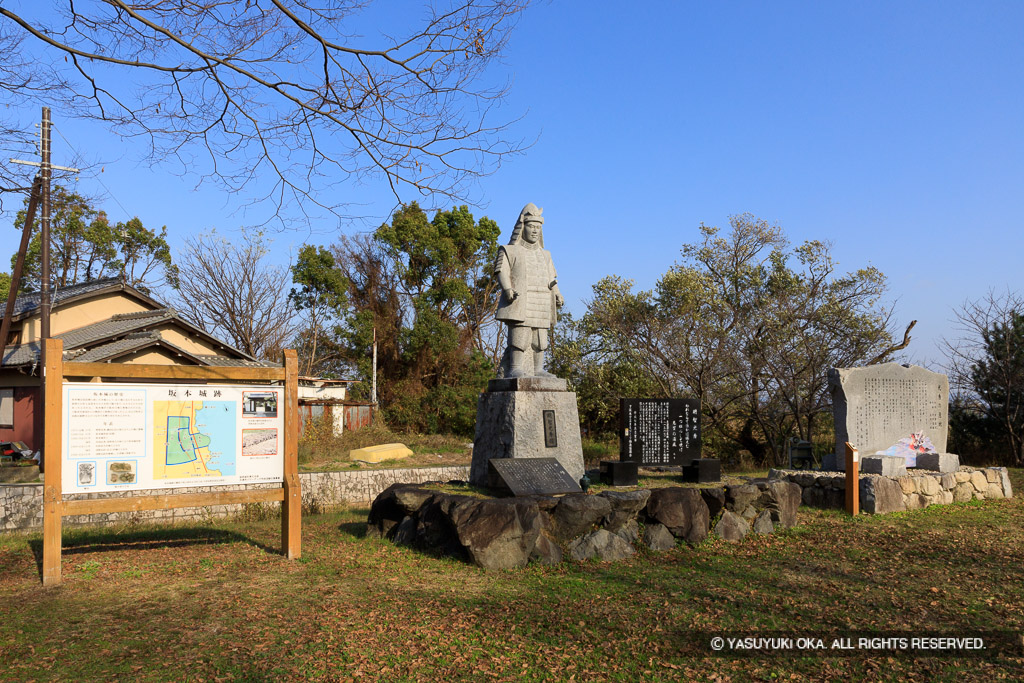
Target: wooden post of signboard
[
  {"x": 291, "y": 507},
  {"x": 53, "y": 380},
  {"x": 852, "y": 480}
]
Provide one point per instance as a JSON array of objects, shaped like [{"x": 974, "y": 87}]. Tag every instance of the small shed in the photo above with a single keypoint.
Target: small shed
[{"x": 321, "y": 398}]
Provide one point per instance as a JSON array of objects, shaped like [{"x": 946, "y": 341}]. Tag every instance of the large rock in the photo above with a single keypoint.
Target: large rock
[
  {"x": 546, "y": 551},
  {"x": 782, "y": 499},
  {"x": 714, "y": 498},
  {"x": 682, "y": 511},
  {"x": 577, "y": 513},
  {"x": 497, "y": 533},
  {"x": 928, "y": 485},
  {"x": 658, "y": 538},
  {"x": 739, "y": 497},
  {"x": 628, "y": 532},
  {"x": 1004, "y": 477},
  {"x": 602, "y": 545},
  {"x": 435, "y": 529},
  {"x": 405, "y": 532},
  {"x": 624, "y": 507},
  {"x": 994, "y": 491},
  {"x": 763, "y": 523},
  {"x": 731, "y": 527},
  {"x": 394, "y": 504},
  {"x": 824, "y": 497},
  {"x": 879, "y": 495},
  {"x": 963, "y": 492}
]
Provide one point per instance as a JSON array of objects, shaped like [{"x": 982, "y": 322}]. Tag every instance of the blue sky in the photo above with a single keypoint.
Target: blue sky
[{"x": 893, "y": 129}]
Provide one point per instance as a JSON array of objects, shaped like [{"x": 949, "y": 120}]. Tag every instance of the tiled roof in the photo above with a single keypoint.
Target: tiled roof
[
  {"x": 29, "y": 302},
  {"x": 85, "y": 343},
  {"x": 132, "y": 342},
  {"x": 23, "y": 354},
  {"x": 222, "y": 361},
  {"x": 118, "y": 324}
]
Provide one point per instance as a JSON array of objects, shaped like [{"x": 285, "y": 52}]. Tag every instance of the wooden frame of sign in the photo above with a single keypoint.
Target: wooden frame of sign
[{"x": 54, "y": 505}]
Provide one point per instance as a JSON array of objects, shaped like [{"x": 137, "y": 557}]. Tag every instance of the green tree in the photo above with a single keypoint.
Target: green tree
[
  {"x": 321, "y": 300},
  {"x": 5, "y": 286},
  {"x": 85, "y": 246},
  {"x": 986, "y": 370},
  {"x": 745, "y": 324},
  {"x": 426, "y": 287}
]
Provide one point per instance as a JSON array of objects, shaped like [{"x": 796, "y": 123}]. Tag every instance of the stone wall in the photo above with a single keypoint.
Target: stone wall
[
  {"x": 916, "y": 490},
  {"x": 21, "y": 505},
  {"x": 504, "y": 533}
]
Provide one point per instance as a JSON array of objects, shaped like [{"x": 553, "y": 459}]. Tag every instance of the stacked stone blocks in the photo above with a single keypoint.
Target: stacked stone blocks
[
  {"x": 912, "y": 491},
  {"x": 21, "y": 505}
]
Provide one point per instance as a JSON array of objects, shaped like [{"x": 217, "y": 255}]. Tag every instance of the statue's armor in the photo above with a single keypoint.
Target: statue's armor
[
  {"x": 538, "y": 294},
  {"x": 532, "y": 275}
]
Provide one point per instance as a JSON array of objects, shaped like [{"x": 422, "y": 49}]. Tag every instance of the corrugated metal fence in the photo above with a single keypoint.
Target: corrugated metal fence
[{"x": 353, "y": 416}]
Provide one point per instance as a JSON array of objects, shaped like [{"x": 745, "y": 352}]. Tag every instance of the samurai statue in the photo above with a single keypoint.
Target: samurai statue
[{"x": 529, "y": 296}]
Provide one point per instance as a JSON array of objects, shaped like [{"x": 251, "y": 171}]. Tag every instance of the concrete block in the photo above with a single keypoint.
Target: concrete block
[
  {"x": 885, "y": 465},
  {"x": 385, "y": 451},
  {"x": 938, "y": 462}
]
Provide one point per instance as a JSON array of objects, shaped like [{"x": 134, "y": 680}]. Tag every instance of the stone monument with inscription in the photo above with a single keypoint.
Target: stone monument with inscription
[
  {"x": 659, "y": 431},
  {"x": 879, "y": 407},
  {"x": 526, "y": 412}
]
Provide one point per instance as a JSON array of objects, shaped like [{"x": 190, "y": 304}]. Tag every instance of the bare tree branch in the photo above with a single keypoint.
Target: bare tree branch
[
  {"x": 275, "y": 98},
  {"x": 894, "y": 348}
]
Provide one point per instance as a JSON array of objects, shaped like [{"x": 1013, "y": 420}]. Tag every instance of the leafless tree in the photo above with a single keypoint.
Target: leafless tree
[
  {"x": 230, "y": 290},
  {"x": 985, "y": 364},
  {"x": 239, "y": 92}
]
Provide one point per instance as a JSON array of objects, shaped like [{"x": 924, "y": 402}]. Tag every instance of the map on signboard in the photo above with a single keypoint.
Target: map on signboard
[{"x": 194, "y": 439}]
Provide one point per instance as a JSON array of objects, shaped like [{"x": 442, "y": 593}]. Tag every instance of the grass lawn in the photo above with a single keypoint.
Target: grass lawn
[{"x": 217, "y": 603}]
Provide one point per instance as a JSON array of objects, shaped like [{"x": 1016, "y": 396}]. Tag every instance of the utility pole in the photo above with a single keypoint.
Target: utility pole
[
  {"x": 45, "y": 175},
  {"x": 373, "y": 385},
  {"x": 44, "y": 285}
]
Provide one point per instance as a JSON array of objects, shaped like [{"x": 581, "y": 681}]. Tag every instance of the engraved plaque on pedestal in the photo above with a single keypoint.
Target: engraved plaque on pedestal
[
  {"x": 550, "y": 430},
  {"x": 530, "y": 476}
]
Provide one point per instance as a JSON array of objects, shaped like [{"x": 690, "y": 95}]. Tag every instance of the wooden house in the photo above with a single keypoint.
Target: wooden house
[{"x": 102, "y": 321}]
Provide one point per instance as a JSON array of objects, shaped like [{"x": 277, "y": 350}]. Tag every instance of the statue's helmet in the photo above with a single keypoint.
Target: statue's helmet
[{"x": 530, "y": 213}]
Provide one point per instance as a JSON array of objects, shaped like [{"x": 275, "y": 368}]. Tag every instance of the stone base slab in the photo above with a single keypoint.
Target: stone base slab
[
  {"x": 885, "y": 465},
  {"x": 938, "y": 462},
  {"x": 510, "y": 424}
]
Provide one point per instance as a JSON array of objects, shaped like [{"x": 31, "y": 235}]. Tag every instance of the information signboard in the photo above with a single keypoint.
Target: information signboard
[{"x": 156, "y": 436}]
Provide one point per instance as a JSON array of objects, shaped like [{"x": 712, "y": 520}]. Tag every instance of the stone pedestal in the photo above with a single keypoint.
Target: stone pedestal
[
  {"x": 885, "y": 465},
  {"x": 527, "y": 417},
  {"x": 938, "y": 462},
  {"x": 703, "y": 471}
]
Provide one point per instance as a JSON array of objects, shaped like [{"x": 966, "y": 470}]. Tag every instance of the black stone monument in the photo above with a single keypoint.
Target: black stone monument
[{"x": 659, "y": 431}]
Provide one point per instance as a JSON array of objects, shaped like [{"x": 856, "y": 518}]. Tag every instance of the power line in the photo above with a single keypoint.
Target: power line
[{"x": 110, "y": 193}]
